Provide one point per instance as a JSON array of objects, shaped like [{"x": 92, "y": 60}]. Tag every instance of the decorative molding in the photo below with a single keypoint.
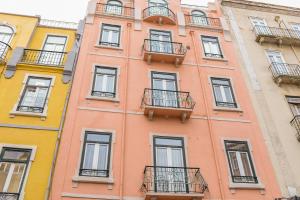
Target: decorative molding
[
  {"x": 28, "y": 127},
  {"x": 90, "y": 196}
]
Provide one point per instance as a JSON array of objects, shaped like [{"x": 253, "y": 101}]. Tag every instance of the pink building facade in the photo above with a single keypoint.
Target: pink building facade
[{"x": 159, "y": 110}]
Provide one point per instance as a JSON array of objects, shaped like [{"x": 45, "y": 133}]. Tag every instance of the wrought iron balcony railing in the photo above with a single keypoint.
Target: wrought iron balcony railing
[
  {"x": 289, "y": 198},
  {"x": 296, "y": 124},
  {"x": 173, "y": 180},
  {"x": 285, "y": 73},
  {"x": 164, "y": 47},
  {"x": 42, "y": 57},
  {"x": 161, "y": 11},
  {"x": 32, "y": 109},
  {"x": 276, "y": 32},
  {"x": 196, "y": 20},
  {"x": 168, "y": 99},
  {"x": 114, "y": 10},
  {"x": 9, "y": 196},
  {"x": 94, "y": 173},
  {"x": 244, "y": 179},
  {"x": 4, "y": 48}
]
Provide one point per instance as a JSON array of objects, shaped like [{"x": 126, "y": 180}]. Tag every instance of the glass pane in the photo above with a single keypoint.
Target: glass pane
[
  {"x": 115, "y": 37},
  {"x": 105, "y": 34},
  {"x": 103, "y": 70},
  {"x": 167, "y": 141},
  {"x": 16, "y": 155},
  {"x": 237, "y": 146},
  {"x": 161, "y": 156},
  {"x": 218, "y": 94},
  {"x": 89, "y": 155},
  {"x": 98, "y": 137},
  {"x": 56, "y": 40},
  {"x": 16, "y": 178},
  {"x": 102, "y": 160},
  {"x": 246, "y": 164},
  {"x": 110, "y": 86},
  {"x": 228, "y": 94},
  {"x": 164, "y": 76},
  {"x": 220, "y": 81},
  {"x": 98, "y": 82},
  {"x": 177, "y": 159},
  {"x": 234, "y": 164},
  {"x": 5, "y": 29},
  {"x": 39, "y": 82},
  {"x": 4, "y": 169}
]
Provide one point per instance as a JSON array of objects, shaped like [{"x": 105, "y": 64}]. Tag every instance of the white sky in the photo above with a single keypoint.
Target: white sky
[{"x": 68, "y": 10}]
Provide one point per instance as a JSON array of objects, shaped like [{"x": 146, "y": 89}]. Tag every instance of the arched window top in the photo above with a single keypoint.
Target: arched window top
[
  {"x": 114, "y": 2},
  {"x": 6, "y": 33},
  {"x": 158, "y": 2},
  {"x": 198, "y": 13}
]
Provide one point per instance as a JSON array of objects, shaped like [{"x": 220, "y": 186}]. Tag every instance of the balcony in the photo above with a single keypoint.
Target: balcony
[
  {"x": 166, "y": 183},
  {"x": 159, "y": 14},
  {"x": 204, "y": 22},
  {"x": 167, "y": 103},
  {"x": 4, "y": 48},
  {"x": 285, "y": 73},
  {"x": 296, "y": 124},
  {"x": 114, "y": 10},
  {"x": 277, "y": 35},
  {"x": 289, "y": 198},
  {"x": 9, "y": 196},
  {"x": 42, "y": 57},
  {"x": 163, "y": 51}
]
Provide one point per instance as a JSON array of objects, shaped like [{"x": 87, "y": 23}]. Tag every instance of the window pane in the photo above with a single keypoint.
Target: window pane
[
  {"x": 115, "y": 37},
  {"x": 161, "y": 156},
  {"x": 4, "y": 169},
  {"x": 166, "y": 141},
  {"x": 18, "y": 172},
  {"x": 39, "y": 82},
  {"x": 98, "y": 137},
  {"x": 218, "y": 94},
  {"x": 89, "y": 155},
  {"x": 103, "y": 70},
  {"x": 16, "y": 155},
  {"x": 110, "y": 86},
  {"x": 228, "y": 95},
  {"x": 102, "y": 160},
  {"x": 164, "y": 76},
  {"x": 105, "y": 34},
  {"x": 237, "y": 146},
  {"x": 98, "y": 82},
  {"x": 246, "y": 164},
  {"x": 56, "y": 40},
  {"x": 234, "y": 164},
  {"x": 177, "y": 160}
]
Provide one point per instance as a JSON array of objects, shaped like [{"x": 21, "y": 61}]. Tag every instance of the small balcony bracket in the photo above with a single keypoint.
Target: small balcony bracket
[
  {"x": 177, "y": 62},
  {"x": 150, "y": 115},
  {"x": 279, "y": 42},
  {"x": 261, "y": 40},
  {"x": 160, "y": 21},
  {"x": 183, "y": 117},
  {"x": 149, "y": 59}
]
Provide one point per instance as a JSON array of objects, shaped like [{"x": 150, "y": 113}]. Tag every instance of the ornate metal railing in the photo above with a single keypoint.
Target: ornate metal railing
[
  {"x": 289, "y": 198},
  {"x": 94, "y": 173},
  {"x": 203, "y": 21},
  {"x": 173, "y": 180},
  {"x": 276, "y": 32},
  {"x": 9, "y": 196},
  {"x": 3, "y": 51},
  {"x": 159, "y": 11},
  {"x": 32, "y": 109},
  {"x": 114, "y": 10},
  {"x": 296, "y": 124},
  {"x": 284, "y": 69},
  {"x": 42, "y": 57},
  {"x": 164, "y": 47},
  {"x": 244, "y": 179},
  {"x": 168, "y": 99}
]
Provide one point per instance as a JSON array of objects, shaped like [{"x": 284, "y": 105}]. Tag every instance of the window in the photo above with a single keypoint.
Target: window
[
  {"x": 52, "y": 53},
  {"x": 199, "y": 18},
  {"x": 6, "y": 34},
  {"x": 13, "y": 166},
  {"x": 105, "y": 79},
  {"x": 240, "y": 163},
  {"x": 96, "y": 154},
  {"x": 161, "y": 41},
  {"x": 260, "y": 26},
  {"x": 158, "y": 7},
  {"x": 114, "y": 7},
  {"x": 211, "y": 47},
  {"x": 294, "y": 103},
  {"x": 223, "y": 93},
  {"x": 279, "y": 67},
  {"x": 258, "y": 21},
  {"x": 35, "y": 95},
  {"x": 110, "y": 35}
]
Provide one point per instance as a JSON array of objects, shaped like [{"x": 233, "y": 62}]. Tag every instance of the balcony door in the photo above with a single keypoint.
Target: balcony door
[
  {"x": 158, "y": 7},
  {"x": 277, "y": 62},
  {"x": 261, "y": 26},
  {"x": 161, "y": 41},
  {"x": 164, "y": 89},
  {"x": 169, "y": 164},
  {"x": 52, "y": 52}
]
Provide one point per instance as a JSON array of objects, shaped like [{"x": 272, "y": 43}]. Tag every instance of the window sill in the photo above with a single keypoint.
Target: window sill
[
  {"x": 108, "y": 47},
  {"x": 225, "y": 109},
  {"x": 85, "y": 179},
  {"x": 215, "y": 59},
  {"x": 258, "y": 186},
  {"x": 30, "y": 114},
  {"x": 117, "y": 100}
]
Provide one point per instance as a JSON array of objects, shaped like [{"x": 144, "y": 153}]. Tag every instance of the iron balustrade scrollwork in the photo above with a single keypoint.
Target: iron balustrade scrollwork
[
  {"x": 173, "y": 180},
  {"x": 288, "y": 198},
  {"x": 198, "y": 20},
  {"x": 32, "y": 109},
  {"x": 296, "y": 124},
  {"x": 276, "y": 32},
  {"x": 43, "y": 57},
  {"x": 244, "y": 179},
  {"x": 103, "y": 94},
  {"x": 9, "y": 196},
  {"x": 284, "y": 69},
  {"x": 114, "y": 10},
  {"x": 94, "y": 173},
  {"x": 159, "y": 11},
  {"x": 165, "y": 47},
  {"x": 3, "y": 50},
  {"x": 168, "y": 99}
]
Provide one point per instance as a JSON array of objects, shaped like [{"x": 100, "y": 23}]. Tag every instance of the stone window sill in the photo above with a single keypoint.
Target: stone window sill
[
  {"x": 30, "y": 114},
  {"x": 225, "y": 109},
  {"x": 116, "y": 99},
  {"x": 86, "y": 179},
  {"x": 215, "y": 59},
  {"x": 108, "y": 47},
  {"x": 258, "y": 186}
]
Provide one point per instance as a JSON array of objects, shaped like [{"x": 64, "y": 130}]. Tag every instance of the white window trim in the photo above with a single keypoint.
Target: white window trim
[
  {"x": 232, "y": 185},
  {"x": 218, "y": 108},
  {"x": 55, "y": 35},
  {"x": 43, "y": 115},
  {"x": 252, "y": 18},
  {"x": 117, "y": 97},
  {"x": 32, "y": 157},
  {"x": 110, "y": 178},
  {"x": 100, "y": 33},
  {"x": 267, "y": 51}
]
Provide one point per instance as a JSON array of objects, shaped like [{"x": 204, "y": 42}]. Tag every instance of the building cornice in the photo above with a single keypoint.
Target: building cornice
[{"x": 264, "y": 7}]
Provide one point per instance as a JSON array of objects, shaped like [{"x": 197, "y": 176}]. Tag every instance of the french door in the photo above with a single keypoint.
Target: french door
[
  {"x": 170, "y": 172},
  {"x": 278, "y": 63},
  {"x": 158, "y": 7},
  {"x": 164, "y": 91},
  {"x": 161, "y": 41}
]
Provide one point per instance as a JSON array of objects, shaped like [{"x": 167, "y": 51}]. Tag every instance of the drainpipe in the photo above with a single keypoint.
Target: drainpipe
[
  {"x": 76, "y": 47},
  {"x": 212, "y": 137},
  {"x": 124, "y": 122}
]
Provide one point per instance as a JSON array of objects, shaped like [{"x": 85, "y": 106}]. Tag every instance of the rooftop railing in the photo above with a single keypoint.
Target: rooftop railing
[
  {"x": 43, "y": 57},
  {"x": 114, "y": 10},
  {"x": 196, "y": 20},
  {"x": 58, "y": 24},
  {"x": 173, "y": 180}
]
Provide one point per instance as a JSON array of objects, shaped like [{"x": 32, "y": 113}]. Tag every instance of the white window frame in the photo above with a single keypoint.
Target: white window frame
[
  {"x": 110, "y": 35},
  {"x": 252, "y": 19},
  {"x": 43, "y": 115}
]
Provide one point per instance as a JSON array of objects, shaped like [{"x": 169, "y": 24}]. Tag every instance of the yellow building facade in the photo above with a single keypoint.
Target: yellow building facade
[{"x": 37, "y": 58}]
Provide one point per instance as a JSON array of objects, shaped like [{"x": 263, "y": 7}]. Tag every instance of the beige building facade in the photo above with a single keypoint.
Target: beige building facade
[{"x": 268, "y": 40}]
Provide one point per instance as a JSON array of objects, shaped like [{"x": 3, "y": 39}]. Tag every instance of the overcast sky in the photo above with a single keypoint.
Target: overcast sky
[{"x": 73, "y": 10}]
